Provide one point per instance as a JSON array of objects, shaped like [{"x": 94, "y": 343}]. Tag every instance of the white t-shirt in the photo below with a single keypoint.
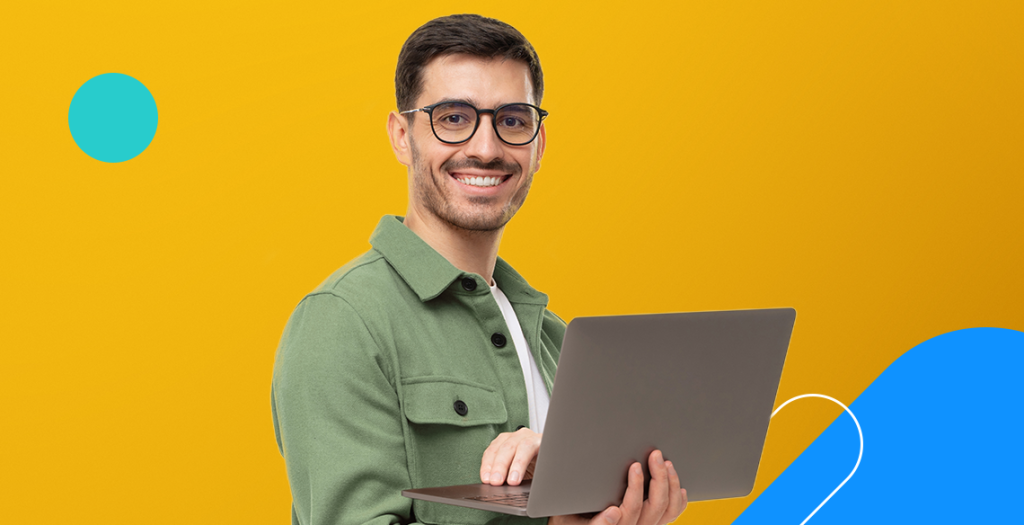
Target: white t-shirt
[{"x": 536, "y": 392}]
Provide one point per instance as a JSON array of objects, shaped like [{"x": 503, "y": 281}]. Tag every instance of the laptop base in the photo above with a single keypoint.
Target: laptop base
[{"x": 480, "y": 496}]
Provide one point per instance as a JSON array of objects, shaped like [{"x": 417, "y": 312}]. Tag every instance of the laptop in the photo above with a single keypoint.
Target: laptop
[{"x": 699, "y": 386}]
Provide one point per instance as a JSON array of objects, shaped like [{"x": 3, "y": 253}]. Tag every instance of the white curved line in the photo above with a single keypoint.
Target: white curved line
[{"x": 859, "y": 456}]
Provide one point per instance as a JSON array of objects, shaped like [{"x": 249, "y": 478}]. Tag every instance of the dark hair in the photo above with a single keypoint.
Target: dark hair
[{"x": 461, "y": 34}]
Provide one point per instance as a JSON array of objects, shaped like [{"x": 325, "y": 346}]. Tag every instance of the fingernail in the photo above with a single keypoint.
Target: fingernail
[
  {"x": 671, "y": 469},
  {"x": 661, "y": 459},
  {"x": 496, "y": 477},
  {"x": 486, "y": 477},
  {"x": 513, "y": 476},
  {"x": 612, "y": 518}
]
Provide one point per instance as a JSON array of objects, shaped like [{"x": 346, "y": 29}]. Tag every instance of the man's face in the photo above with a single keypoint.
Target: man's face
[{"x": 453, "y": 181}]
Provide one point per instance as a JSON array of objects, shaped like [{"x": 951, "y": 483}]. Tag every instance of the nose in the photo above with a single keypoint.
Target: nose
[{"x": 485, "y": 144}]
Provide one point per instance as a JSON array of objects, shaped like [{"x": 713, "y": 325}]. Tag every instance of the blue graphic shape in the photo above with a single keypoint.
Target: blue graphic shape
[
  {"x": 942, "y": 442},
  {"x": 113, "y": 117}
]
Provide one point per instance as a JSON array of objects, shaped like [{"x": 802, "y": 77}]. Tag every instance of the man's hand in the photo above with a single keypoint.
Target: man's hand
[
  {"x": 665, "y": 502},
  {"x": 514, "y": 454},
  {"x": 511, "y": 455}
]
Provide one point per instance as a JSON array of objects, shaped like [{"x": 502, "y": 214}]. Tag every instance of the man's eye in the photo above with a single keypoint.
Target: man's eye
[
  {"x": 511, "y": 122},
  {"x": 454, "y": 120}
]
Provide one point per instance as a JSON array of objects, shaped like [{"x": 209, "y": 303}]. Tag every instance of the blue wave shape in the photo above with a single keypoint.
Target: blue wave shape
[{"x": 942, "y": 442}]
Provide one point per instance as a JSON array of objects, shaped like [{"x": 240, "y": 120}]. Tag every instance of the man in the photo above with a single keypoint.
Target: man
[{"x": 428, "y": 360}]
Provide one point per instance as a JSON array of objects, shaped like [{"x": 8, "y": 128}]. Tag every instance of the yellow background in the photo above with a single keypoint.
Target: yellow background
[{"x": 860, "y": 161}]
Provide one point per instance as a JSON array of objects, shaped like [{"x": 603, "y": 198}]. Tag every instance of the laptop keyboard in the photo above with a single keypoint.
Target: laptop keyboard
[{"x": 512, "y": 500}]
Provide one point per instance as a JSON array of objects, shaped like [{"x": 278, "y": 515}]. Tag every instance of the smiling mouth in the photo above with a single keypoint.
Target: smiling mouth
[{"x": 481, "y": 182}]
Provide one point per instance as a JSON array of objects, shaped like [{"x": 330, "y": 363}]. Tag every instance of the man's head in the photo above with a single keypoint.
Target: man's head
[
  {"x": 477, "y": 184},
  {"x": 472, "y": 35}
]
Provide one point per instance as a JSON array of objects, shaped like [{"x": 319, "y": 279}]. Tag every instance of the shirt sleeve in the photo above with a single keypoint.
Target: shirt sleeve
[
  {"x": 338, "y": 421},
  {"x": 337, "y": 418}
]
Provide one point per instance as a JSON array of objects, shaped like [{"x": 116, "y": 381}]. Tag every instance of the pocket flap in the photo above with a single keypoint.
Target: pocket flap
[{"x": 450, "y": 401}]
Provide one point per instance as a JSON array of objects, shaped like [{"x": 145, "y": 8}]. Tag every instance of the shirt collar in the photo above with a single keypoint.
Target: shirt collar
[
  {"x": 429, "y": 274},
  {"x": 515, "y": 288}
]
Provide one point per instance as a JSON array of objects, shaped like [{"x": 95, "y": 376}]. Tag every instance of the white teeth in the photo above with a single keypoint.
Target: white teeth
[{"x": 480, "y": 181}]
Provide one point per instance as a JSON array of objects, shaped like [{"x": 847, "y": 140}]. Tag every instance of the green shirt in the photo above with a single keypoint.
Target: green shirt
[{"x": 370, "y": 368}]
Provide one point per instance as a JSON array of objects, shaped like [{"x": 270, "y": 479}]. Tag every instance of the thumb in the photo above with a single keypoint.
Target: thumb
[{"x": 610, "y": 516}]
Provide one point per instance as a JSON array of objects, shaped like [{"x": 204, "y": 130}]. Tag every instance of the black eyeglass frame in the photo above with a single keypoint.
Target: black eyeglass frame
[{"x": 429, "y": 110}]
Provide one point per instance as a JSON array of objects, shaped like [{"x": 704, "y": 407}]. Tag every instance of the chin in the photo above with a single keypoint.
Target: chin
[{"x": 479, "y": 222}]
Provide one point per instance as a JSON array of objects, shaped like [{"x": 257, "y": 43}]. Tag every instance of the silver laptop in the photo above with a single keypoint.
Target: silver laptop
[{"x": 698, "y": 386}]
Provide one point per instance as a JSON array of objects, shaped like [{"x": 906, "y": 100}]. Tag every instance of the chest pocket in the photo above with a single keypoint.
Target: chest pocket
[{"x": 451, "y": 422}]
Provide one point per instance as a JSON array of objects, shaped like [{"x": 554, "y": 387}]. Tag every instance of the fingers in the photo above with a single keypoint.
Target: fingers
[
  {"x": 609, "y": 516},
  {"x": 633, "y": 501},
  {"x": 665, "y": 499},
  {"x": 525, "y": 454},
  {"x": 676, "y": 496},
  {"x": 487, "y": 463},
  {"x": 665, "y": 502},
  {"x": 509, "y": 456},
  {"x": 502, "y": 459},
  {"x": 658, "y": 498}
]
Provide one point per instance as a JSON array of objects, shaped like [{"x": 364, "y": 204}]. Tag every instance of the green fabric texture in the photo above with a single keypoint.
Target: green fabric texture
[{"x": 368, "y": 373}]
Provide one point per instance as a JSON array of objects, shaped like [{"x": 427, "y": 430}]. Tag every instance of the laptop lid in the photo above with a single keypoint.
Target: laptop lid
[{"x": 698, "y": 386}]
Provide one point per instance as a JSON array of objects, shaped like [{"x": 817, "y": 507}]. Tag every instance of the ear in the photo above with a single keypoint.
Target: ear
[
  {"x": 542, "y": 139},
  {"x": 398, "y": 132}
]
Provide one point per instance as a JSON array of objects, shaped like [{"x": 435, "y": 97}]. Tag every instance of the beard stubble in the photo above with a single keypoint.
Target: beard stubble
[{"x": 431, "y": 191}]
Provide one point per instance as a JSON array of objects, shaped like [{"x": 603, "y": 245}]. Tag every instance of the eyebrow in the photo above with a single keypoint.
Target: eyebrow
[{"x": 470, "y": 102}]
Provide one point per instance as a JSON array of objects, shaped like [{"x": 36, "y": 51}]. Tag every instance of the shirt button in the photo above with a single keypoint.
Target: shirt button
[
  {"x": 498, "y": 340},
  {"x": 469, "y": 284},
  {"x": 461, "y": 408}
]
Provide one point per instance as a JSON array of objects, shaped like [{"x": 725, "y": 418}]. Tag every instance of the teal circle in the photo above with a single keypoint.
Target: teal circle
[{"x": 112, "y": 117}]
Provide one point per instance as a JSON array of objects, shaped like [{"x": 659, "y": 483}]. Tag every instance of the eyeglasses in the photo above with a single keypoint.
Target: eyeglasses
[{"x": 456, "y": 122}]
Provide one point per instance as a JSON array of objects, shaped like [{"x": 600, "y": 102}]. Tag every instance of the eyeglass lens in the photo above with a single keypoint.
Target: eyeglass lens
[{"x": 515, "y": 123}]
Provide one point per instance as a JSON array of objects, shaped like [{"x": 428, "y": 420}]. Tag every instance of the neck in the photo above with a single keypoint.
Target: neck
[{"x": 468, "y": 250}]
